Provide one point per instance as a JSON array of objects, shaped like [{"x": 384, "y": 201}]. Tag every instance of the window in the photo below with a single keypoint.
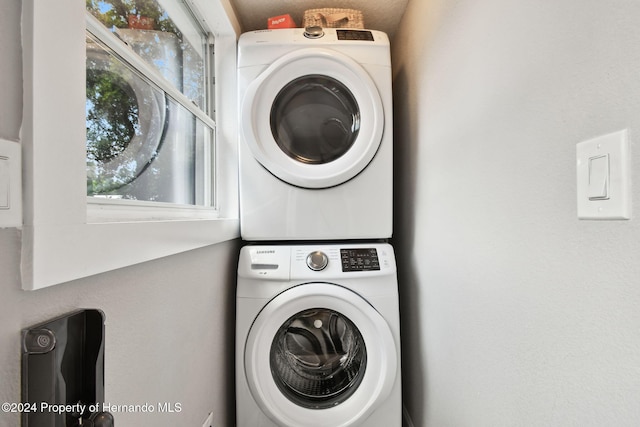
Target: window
[
  {"x": 125, "y": 152},
  {"x": 149, "y": 137}
]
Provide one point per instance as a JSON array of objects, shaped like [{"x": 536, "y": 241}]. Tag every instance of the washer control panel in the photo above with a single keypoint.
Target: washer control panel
[
  {"x": 359, "y": 259},
  {"x": 327, "y": 261},
  {"x": 342, "y": 259}
]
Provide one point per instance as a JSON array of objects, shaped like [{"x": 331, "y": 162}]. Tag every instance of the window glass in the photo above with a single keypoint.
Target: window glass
[
  {"x": 318, "y": 358},
  {"x": 167, "y": 38},
  {"x": 141, "y": 144},
  {"x": 315, "y": 119},
  {"x": 145, "y": 141}
]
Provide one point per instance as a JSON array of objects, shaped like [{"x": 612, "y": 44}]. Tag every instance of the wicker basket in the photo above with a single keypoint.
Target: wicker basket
[{"x": 333, "y": 18}]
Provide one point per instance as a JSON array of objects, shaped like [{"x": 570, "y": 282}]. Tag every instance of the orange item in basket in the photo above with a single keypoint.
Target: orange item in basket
[{"x": 281, "y": 21}]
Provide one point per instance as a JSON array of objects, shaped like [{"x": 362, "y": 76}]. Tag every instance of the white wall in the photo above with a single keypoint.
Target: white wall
[
  {"x": 514, "y": 312},
  {"x": 169, "y": 333}
]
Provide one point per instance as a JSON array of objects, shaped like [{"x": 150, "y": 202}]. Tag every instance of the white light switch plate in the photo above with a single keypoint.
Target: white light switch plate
[
  {"x": 10, "y": 184},
  {"x": 603, "y": 177}
]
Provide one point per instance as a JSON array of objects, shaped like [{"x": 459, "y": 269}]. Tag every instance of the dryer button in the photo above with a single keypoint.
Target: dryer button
[{"x": 317, "y": 260}]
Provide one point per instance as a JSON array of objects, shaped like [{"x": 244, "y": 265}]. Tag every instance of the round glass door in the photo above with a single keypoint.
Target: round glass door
[
  {"x": 315, "y": 119},
  {"x": 318, "y": 358},
  {"x": 318, "y": 355}
]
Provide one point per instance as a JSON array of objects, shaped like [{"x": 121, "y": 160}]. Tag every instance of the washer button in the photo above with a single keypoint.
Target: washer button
[
  {"x": 313, "y": 32},
  {"x": 317, "y": 260}
]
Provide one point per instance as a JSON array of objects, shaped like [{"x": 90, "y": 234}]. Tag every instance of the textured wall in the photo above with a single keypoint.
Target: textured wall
[
  {"x": 378, "y": 15},
  {"x": 515, "y": 313}
]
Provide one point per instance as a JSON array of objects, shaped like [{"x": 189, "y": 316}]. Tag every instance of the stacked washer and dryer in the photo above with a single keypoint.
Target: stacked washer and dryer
[{"x": 317, "y": 333}]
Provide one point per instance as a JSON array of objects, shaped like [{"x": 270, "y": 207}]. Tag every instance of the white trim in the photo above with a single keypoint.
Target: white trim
[
  {"x": 70, "y": 251},
  {"x": 59, "y": 243},
  {"x": 101, "y": 210}
]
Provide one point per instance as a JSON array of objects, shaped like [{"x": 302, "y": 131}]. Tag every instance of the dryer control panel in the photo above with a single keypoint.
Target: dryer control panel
[{"x": 355, "y": 35}]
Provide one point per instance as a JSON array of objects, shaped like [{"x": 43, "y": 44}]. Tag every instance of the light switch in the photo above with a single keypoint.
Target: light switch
[
  {"x": 599, "y": 177},
  {"x": 603, "y": 177},
  {"x": 10, "y": 184},
  {"x": 5, "y": 182}
]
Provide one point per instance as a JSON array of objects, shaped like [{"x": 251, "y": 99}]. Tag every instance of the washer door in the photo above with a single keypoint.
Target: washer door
[
  {"x": 318, "y": 355},
  {"x": 313, "y": 118}
]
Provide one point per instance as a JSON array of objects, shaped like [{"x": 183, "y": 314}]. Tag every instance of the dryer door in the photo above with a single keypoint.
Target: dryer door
[
  {"x": 318, "y": 355},
  {"x": 313, "y": 118}
]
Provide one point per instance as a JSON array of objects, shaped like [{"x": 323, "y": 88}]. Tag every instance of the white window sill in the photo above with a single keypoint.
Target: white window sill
[
  {"x": 95, "y": 248},
  {"x": 100, "y": 210}
]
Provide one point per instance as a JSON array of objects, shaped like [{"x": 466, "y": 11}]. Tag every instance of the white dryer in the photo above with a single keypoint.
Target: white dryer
[
  {"x": 315, "y": 134},
  {"x": 318, "y": 336}
]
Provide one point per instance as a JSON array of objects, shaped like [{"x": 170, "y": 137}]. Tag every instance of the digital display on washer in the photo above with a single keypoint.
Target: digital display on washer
[
  {"x": 365, "y": 259},
  {"x": 355, "y": 35}
]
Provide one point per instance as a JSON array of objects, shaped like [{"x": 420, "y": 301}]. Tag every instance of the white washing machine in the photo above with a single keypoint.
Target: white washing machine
[
  {"x": 318, "y": 336},
  {"x": 315, "y": 134}
]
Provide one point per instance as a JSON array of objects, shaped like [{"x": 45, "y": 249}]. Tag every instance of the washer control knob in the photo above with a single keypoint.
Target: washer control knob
[
  {"x": 317, "y": 260},
  {"x": 313, "y": 32}
]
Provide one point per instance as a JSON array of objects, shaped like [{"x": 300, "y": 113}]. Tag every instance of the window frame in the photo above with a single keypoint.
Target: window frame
[{"x": 61, "y": 227}]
